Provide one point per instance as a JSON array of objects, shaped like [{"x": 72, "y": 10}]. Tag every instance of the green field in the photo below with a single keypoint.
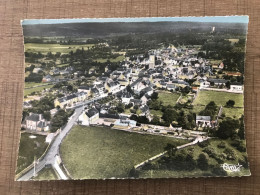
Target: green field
[
  {"x": 36, "y": 89},
  {"x": 30, "y": 147},
  {"x": 220, "y": 98},
  {"x": 99, "y": 152},
  {"x": 31, "y": 84},
  {"x": 45, "y": 48},
  {"x": 196, "y": 151},
  {"x": 62, "y": 65},
  {"x": 117, "y": 59},
  {"x": 156, "y": 112},
  {"x": 46, "y": 173},
  {"x": 168, "y": 98}
]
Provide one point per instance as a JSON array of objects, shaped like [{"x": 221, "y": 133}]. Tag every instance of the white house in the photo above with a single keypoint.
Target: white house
[
  {"x": 101, "y": 89},
  {"x": 204, "y": 84},
  {"x": 85, "y": 89},
  {"x": 126, "y": 97},
  {"x": 124, "y": 124},
  {"x": 89, "y": 117},
  {"x": 36, "y": 122},
  {"x": 37, "y": 70},
  {"x": 145, "y": 98},
  {"x": 203, "y": 121},
  {"x": 112, "y": 86},
  {"x": 235, "y": 87}
]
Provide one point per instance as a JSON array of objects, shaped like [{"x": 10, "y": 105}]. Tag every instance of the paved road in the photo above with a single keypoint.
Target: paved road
[{"x": 54, "y": 149}]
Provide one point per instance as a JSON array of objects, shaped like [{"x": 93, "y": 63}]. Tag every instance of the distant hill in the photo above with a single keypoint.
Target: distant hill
[{"x": 112, "y": 28}]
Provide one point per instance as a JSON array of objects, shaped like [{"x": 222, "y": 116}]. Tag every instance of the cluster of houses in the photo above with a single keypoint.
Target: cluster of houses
[{"x": 166, "y": 68}]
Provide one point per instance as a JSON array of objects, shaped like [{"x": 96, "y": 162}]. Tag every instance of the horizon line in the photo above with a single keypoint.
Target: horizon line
[{"x": 203, "y": 19}]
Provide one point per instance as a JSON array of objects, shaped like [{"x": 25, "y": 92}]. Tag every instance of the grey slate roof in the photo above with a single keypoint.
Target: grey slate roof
[
  {"x": 84, "y": 87},
  {"x": 33, "y": 117},
  {"x": 91, "y": 112},
  {"x": 94, "y": 90},
  {"x": 136, "y": 101},
  {"x": 99, "y": 86},
  {"x": 218, "y": 80},
  {"x": 236, "y": 83},
  {"x": 144, "y": 108},
  {"x": 205, "y": 118}
]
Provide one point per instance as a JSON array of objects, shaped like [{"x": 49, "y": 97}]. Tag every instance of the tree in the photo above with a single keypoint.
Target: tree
[
  {"x": 210, "y": 109},
  {"x": 230, "y": 103},
  {"x": 133, "y": 173},
  {"x": 185, "y": 90},
  {"x": 227, "y": 128},
  {"x": 47, "y": 115},
  {"x": 59, "y": 119},
  {"x": 33, "y": 77},
  {"x": 154, "y": 96},
  {"x": 241, "y": 130},
  {"x": 218, "y": 171},
  {"x": 70, "y": 87},
  {"x": 169, "y": 115},
  {"x": 155, "y": 120},
  {"x": 228, "y": 84},
  {"x": 171, "y": 149},
  {"x": 129, "y": 89},
  {"x": 25, "y": 114},
  {"x": 154, "y": 104},
  {"x": 130, "y": 105},
  {"x": 120, "y": 108},
  {"x": 202, "y": 162}
]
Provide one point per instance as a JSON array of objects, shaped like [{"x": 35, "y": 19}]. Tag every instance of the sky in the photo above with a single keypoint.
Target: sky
[{"x": 223, "y": 19}]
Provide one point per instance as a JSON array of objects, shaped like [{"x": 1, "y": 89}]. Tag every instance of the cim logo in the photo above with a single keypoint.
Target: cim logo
[{"x": 231, "y": 168}]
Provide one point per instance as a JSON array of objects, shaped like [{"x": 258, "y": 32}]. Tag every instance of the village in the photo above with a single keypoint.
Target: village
[
  {"x": 131, "y": 88},
  {"x": 114, "y": 104}
]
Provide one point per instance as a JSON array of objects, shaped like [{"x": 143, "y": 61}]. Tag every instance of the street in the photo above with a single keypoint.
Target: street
[
  {"x": 49, "y": 158},
  {"x": 54, "y": 149}
]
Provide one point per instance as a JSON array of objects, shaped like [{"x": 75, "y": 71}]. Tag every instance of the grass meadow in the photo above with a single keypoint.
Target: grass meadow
[
  {"x": 46, "y": 173},
  {"x": 220, "y": 98},
  {"x": 168, "y": 98},
  {"x": 99, "y": 152},
  {"x": 36, "y": 89},
  {"x": 195, "y": 151},
  {"x": 54, "y": 48},
  {"x": 30, "y": 148}
]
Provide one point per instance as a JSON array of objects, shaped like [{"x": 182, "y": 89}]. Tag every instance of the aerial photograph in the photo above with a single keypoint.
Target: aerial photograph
[{"x": 118, "y": 98}]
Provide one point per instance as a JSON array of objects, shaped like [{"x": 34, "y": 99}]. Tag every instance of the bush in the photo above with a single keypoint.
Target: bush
[
  {"x": 230, "y": 154},
  {"x": 203, "y": 144},
  {"x": 202, "y": 162},
  {"x": 133, "y": 173},
  {"x": 210, "y": 151},
  {"x": 221, "y": 145},
  {"x": 239, "y": 145},
  {"x": 230, "y": 103},
  {"x": 243, "y": 162},
  {"x": 219, "y": 171}
]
